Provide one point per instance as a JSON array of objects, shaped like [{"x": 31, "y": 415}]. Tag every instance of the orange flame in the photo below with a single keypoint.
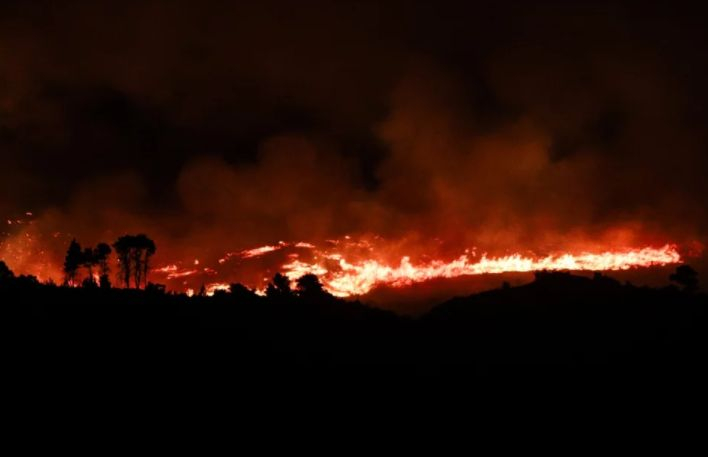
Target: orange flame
[
  {"x": 346, "y": 266},
  {"x": 361, "y": 277}
]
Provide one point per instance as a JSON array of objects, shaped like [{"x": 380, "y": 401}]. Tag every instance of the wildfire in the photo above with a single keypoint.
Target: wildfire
[
  {"x": 346, "y": 267},
  {"x": 350, "y": 267},
  {"x": 257, "y": 252},
  {"x": 182, "y": 274},
  {"x": 26, "y": 249},
  {"x": 361, "y": 277},
  {"x": 212, "y": 288}
]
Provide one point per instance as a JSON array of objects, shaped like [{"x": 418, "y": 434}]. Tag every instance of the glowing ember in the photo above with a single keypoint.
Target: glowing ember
[{"x": 28, "y": 251}]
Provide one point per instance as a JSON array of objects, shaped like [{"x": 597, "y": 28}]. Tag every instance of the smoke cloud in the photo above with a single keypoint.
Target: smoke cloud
[{"x": 446, "y": 127}]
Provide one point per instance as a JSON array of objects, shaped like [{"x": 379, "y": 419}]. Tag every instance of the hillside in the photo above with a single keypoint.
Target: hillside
[{"x": 559, "y": 323}]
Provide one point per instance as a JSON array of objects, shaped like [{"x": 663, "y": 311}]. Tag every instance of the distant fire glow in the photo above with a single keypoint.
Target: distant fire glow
[
  {"x": 361, "y": 277},
  {"x": 346, "y": 267},
  {"x": 344, "y": 277}
]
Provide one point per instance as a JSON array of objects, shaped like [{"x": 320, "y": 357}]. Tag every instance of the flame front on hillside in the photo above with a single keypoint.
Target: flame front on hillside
[
  {"x": 346, "y": 267},
  {"x": 353, "y": 275}
]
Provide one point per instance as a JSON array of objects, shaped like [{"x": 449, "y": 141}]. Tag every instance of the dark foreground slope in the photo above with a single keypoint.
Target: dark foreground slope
[
  {"x": 568, "y": 324},
  {"x": 559, "y": 324}
]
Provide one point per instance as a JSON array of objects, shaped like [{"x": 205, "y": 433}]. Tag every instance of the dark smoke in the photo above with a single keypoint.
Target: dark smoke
[{"x": 216, "y": 126}]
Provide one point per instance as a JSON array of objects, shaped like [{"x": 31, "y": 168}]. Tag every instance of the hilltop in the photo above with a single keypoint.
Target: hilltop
[{"x": 557, "y": 323}]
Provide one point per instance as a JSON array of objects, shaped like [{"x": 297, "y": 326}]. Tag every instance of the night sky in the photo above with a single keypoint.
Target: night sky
[{"x": 218, "y": 125}]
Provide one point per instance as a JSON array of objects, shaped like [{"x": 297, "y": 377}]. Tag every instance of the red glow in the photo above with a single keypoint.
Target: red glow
[
  {"x": 346, "y": 267},
  {"x": 355, "y": 267},
  {"x": 257, "y": 252},
  {"x": 358, "y": 278}
]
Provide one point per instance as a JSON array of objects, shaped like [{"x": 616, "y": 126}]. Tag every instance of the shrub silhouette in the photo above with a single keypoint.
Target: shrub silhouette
[
  {"x": 686, "y": 277},
  {"x": 279, "y": 288},
  {"x": 153, "y": 288},
  {"x": 242, "y": 293},
  {"x": 310, "y": 287}
]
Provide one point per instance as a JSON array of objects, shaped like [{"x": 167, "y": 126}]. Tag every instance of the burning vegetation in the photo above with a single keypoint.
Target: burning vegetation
[{"x": 346, "y": 267}]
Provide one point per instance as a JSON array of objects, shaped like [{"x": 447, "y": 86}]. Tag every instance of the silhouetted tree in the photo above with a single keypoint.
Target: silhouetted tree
[
  {"x": 104, "y": 282},
  {"x": 101, "y": 254},
  {"x": 134, "y": 252},
  {"x": 89, "y": 283},
  {"x": 241, "y": 293},
  {"x": 309, "y": 286},
  {"x": 6, "y": 275},
  {"x": 88, "y": 260},
  {"x": 123, "y": 247},
  {"x": 144, "y": 249},
  {"x": 27, "y": 282},
  {"x": 72, "y": 262},
  {"x": 686, "y": 277},
  {"x": 279, "y": 288}
]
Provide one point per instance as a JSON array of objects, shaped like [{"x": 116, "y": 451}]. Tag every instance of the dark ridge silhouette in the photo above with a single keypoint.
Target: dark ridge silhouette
[{"x": 560, "y": 323}]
